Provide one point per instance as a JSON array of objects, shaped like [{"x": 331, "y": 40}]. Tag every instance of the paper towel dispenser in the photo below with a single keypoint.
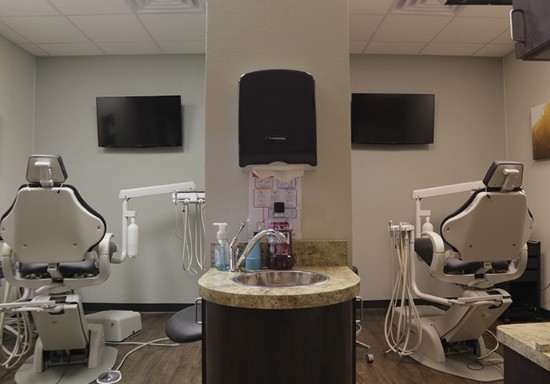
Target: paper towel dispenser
[{"x": 277, "y": 121}]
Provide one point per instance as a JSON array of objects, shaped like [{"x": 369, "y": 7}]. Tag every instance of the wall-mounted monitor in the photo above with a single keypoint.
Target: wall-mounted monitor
[
  {"x": 389, "y": 118},
  {"x": 139, "y": 121}
]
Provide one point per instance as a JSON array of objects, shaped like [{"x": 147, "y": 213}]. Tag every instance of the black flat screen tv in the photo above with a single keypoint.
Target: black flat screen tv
[
  {"x": 389, "y": 118},
  {"x": 139, "y": 121}
]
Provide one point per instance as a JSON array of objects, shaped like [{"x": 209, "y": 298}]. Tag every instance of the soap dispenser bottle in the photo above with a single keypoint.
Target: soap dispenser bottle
[{"x": 221, "y": 249}]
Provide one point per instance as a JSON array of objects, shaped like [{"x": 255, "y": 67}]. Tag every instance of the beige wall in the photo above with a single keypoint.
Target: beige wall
[
  {"x": 307, "y": 35},
  {"x": 17, "y": 75},
  {"x": 66, "y": 89},
  {"x": 469, "y": 135},
  {"x": 527, "y": 84}
]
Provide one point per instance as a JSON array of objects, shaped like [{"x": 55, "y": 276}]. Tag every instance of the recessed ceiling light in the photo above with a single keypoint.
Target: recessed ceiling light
[
  {"x": 425, "y": 7},
  {"x": 161, "y": 6}
]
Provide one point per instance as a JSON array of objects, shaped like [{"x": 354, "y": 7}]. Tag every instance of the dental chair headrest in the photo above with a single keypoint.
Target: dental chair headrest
[
  {"x": 47, "y": 170},
  {"x": 504, "y": 176}
]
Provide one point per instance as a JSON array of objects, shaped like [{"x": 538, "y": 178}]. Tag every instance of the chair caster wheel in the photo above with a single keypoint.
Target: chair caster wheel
[{"x": 370, "y": 358}]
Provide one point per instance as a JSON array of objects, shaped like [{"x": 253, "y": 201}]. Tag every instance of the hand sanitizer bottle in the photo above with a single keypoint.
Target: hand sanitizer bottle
[{"x": 221, "y": 250}]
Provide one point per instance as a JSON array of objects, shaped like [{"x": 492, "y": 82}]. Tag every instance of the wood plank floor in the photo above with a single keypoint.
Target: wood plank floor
[{"x": 182, "y": 364}]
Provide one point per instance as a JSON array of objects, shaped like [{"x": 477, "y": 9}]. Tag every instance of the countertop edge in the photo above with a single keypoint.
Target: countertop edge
[
  {"x": 343, "y": 285},
  {"x": 521, "y": 338}
]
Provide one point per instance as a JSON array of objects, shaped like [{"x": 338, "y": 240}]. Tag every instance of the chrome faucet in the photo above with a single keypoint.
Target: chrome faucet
[
  {"x": 237, "y": 263},
  {"x": 234, "y": 248}
]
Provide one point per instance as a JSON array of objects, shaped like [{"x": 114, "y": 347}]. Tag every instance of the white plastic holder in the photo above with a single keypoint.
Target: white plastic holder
[
  {"x": 127, "y": 216},
  {"x": 282, "y": 171}
]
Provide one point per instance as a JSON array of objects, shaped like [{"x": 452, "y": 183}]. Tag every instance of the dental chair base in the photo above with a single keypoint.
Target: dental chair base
[
  {"x": 118, "y": 325},
  {"x": 67, "y": 374},
  {"x": 64, "y": 335},
  {"x": 452, "y": 340}
]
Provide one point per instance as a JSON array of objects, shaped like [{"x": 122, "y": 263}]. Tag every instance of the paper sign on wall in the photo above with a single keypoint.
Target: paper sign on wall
[{"x": 264, "y": 192}]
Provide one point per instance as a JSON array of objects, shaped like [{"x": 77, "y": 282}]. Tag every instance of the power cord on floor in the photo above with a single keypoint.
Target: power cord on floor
[{"x": 114, "y": 375}]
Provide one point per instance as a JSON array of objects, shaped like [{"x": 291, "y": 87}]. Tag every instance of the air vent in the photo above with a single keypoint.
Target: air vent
[
  {"x": 424, "y": 7},
  {"x": 478, "y": 2},
  {"x": 162, "y": 6}
]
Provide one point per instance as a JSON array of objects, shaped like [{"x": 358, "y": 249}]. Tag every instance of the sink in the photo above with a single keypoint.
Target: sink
[{"x": 279, "y": 278}]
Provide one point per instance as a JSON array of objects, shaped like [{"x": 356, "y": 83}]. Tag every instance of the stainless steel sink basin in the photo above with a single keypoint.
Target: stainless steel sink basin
[{"x": 279, "y": 278}]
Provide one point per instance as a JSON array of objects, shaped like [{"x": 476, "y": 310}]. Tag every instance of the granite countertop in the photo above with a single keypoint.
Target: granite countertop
[
  {"x": 343, "y": 284},
  {"x": 522, "y": 338}
]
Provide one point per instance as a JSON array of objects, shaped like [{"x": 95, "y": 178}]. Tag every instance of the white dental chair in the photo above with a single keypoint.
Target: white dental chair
[
  {"x": 480, "y": 245},
  {"x": 55, "y": 243}
]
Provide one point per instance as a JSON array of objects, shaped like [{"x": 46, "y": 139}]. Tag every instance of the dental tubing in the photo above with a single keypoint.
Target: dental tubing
[{"x": 402, "y": 312}]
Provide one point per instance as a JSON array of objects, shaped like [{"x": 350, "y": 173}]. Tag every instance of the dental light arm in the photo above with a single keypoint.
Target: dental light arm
[{"x": 130, "y": 231}]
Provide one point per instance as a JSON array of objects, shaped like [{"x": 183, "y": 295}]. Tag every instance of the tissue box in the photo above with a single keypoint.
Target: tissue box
[{"x": 117, "y": 325}]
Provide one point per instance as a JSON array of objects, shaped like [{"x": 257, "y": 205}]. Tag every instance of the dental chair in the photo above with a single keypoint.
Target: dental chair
[
  {"x": 55, "y": 243},
  {"x": 481, "y": 244}
]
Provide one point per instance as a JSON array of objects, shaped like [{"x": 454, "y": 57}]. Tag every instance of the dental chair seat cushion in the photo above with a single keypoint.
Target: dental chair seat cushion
[
  {"x": 182, "y": 328},
  {"x": 67, "y": 270},
  {"x": 424, "y": 248}
]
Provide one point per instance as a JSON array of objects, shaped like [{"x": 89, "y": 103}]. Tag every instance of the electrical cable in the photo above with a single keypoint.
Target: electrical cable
[
  {"x": 19, "y": 326},
  {"x": 492, "y": 350},
  {"x": 114, "y": 375},
  {"x": 402, "y": 309}
]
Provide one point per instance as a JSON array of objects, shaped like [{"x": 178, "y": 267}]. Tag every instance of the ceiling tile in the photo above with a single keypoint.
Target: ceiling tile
[
  {"x": 175, "y": 26},
  {"x": 71, "y": 49},
  {"x": 111, "y": 28},
  {"x": 410, "y": 28},
  {"x": 33, "y": 49},
  {"x": 129, "y": 48},
  {"x": 394, "y": 48},
  {"x": 451, "y": 49},
  {"x": 485, "y": 11},
  {"x": 91, "y": 7},
  {"x": 45, "y": 29},
  {"x": 356, "y": 47},
  {"x": 370, "y": 6},
  {"x": 192, "y": 46},
  {"x": 11, "y": 35},
  {"x": 495, "y": 50},
  {"x": 26, "y": 8},
  {"x": 362, "y": 27},
  {"x": 471, "y": 30},
  {"x": 503, "y": 38}
]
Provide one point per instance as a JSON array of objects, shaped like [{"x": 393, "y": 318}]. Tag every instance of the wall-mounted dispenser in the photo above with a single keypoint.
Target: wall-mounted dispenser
[{"x": 277, "y": 121}]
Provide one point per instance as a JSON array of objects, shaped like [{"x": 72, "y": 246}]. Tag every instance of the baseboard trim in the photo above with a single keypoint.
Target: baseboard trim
[
  {"x": 175, "y": 307},
  {"x": 138, "y": 307}
]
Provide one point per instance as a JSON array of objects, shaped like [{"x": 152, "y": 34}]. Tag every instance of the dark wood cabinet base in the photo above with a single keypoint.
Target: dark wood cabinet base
[
  {"x": 291, "y": 346},
  {"x": 518, "y": 369}
]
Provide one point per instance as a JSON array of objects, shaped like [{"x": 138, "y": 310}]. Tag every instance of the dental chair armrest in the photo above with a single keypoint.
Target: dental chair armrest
[
  {"x": 6, "y": 250},
  {"x": 108, "y": 248},
  {"x": 437, "y": 260},
  {"x": 426, "y": 245},
  {"x": 437, "y": 241}
]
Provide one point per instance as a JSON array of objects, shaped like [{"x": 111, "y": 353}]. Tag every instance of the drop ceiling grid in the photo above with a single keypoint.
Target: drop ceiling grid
[{"x": 89, "y": 27}]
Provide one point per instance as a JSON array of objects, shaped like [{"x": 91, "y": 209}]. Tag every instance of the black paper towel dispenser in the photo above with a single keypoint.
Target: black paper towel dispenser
[{"x": 277, "y": 121}]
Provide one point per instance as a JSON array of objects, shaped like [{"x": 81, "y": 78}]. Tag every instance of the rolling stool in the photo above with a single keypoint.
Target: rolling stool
[
  {"x": 359, "y": 299},
  {"x": 185, "y": 326}
]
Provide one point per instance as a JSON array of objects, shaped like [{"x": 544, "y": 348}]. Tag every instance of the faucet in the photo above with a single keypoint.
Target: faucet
[
  {"x": 234, "y": 248},
  {"x": 237, "y": 263}
]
